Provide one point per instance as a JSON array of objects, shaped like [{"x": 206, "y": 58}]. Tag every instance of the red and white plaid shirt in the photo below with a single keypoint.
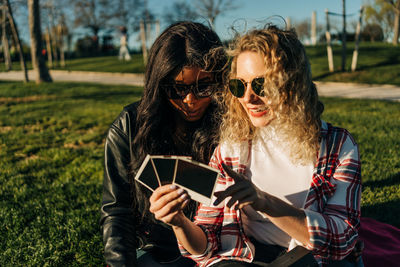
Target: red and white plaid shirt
[{"x": 332, "y": 205}]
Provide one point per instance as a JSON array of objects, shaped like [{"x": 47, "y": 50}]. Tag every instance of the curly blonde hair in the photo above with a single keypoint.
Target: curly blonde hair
[{"x": 289, "y": 88}]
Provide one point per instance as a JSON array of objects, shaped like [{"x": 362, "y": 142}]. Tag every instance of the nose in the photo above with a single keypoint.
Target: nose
[
  {"x": 189, "y": 98},
  {"x": 249, "y": 94}
]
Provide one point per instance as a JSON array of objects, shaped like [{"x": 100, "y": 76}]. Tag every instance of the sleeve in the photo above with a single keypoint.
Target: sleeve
[
  {"x": 117, "y": 218},
  {"x": 334, "y": 232},
  {"x": 210, "y": 218}
]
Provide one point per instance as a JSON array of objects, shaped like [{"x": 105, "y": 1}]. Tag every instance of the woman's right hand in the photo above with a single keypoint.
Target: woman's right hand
[{"x": 167, "y": 203}]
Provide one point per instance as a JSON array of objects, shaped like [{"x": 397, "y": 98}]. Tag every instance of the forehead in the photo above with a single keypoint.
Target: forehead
[
  {"x": 192, "y": 74},
  {"x": 250, "y": 65}
]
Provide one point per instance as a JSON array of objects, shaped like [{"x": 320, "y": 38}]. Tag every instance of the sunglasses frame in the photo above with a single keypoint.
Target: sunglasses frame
[
  {"x": 180, "y": 91},
  {"x": 254, "y": 85}
]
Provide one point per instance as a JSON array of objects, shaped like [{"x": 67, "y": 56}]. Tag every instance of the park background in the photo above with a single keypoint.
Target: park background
[{"x": 52, "y": 133}]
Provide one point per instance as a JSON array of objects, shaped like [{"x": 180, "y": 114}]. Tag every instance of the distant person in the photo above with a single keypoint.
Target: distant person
[
  {"x": 123, "y": 49},
  {"x": 288, "y": 178},
  {"x": 175, "y": 116}
]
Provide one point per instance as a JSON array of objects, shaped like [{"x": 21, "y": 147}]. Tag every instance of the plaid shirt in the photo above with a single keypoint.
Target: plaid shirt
[{"x": 332, "y": 205}]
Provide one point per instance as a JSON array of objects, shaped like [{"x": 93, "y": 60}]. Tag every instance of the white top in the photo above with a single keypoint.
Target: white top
[{"x": 270, "y": 164}]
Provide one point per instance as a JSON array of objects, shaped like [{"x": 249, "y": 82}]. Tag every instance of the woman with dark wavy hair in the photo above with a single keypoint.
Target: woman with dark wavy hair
[
  {"x": 290, "y": 182},
  {"x": 175, "y": 116}
]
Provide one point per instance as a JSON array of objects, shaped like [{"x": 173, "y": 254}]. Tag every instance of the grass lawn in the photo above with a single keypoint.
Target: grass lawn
[
  {"x": 377, "y": 63},
  {"x": 98, "y": 64},
  {"x": 51, "y": 166}
]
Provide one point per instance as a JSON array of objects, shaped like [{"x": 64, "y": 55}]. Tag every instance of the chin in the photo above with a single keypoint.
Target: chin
[
  {"x": 191, "y": 119},
  {"x": 262, "y": 122}
]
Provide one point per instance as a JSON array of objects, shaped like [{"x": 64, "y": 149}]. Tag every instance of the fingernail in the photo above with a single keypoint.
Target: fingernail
[
  {"x": 172, "y": 186},
  {"x": 184, "y": 196},
  {"x": 180, "y": 191}
]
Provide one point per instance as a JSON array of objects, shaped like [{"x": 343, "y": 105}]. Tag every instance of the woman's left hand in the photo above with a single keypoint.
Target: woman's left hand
[{"x": 242, "y": 193}]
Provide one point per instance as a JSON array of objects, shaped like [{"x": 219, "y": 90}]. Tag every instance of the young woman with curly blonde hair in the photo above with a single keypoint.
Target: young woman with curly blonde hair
[{"x": 288, "y": 178}]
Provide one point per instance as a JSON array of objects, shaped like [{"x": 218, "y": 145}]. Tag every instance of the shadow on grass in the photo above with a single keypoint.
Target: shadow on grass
[
  {"x": 387, "y": 62},
  {"x": 387, "y": 212},
  {"x": 326, "y": 74},
  {"x": 391, "y": 180},
  {"x": 106, "y": 94}
]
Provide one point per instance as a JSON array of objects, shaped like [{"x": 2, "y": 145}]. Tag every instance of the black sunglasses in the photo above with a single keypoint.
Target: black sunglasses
[
  {"x": 238, "y": 86},
  {"x": 179, "y": 91}
]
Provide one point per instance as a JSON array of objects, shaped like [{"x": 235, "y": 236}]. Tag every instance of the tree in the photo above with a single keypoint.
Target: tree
[
  {"x": 38, "y": 61},
  {"x": 396, "y": 24},
  {"x": 4, "y": 40},
  {"x": 387, "y": 14},
  {"x": 211, "y": 9},
  {"x": 17, "y": 40},
  {"x": 372, "y": 33},
  {"x": 180, "y": 11},
  {"x": 303, "y": 29},
  {"x": 95, "y": 15}
]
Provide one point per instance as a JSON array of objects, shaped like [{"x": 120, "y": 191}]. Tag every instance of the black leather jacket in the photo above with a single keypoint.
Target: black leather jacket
[{"x": 121, "y": 235}]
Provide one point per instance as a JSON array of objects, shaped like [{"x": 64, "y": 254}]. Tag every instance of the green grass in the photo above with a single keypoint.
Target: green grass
[
  {"x": 378, "y": 63},
  {"x": 51, "y": 153},
  {"x": 375, "y": 125},
  {"x": 51, "y": 166},
  {"x": 98, "y": 64},
  {"x": 107, "y": 64}
]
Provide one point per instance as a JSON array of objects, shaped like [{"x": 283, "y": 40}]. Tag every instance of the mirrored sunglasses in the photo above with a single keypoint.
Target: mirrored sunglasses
[
  {"x": 179, "y": 91},
  {"x": 238, "y": 86}
]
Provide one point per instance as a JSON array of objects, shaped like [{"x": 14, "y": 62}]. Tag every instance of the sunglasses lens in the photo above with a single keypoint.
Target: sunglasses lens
[
  {"x": 181, "y": 90},
  {"x": 205, "y": 89},
  {"x": 258, "y": 85},
  {"x": 236, "y": 87},
  {"x": 172, "y": 91}
]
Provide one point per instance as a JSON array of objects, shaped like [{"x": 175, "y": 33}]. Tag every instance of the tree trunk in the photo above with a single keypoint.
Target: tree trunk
[
  {"x": 38, "y": 61},
  {"x": 396, "y": 24},
  {"x": 4, "y": 41},
  {"x": 60, "y": 33},
  {"x": 314, "y": 28},
  {"x": 358, "y": 34},
  {"x": 328, "y": 43},
  {"x": 48, "y": 49},
  {"x": 344, "y": 36},
  {"x": 17, "y": 40},
  {"x": 54, "y": 45},
  {"x": 143, "y": 39}
]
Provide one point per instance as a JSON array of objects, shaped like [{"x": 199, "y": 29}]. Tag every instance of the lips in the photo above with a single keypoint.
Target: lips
[
  {"x": 191, "y": 113},
  {"x": 257, "y": 112}
]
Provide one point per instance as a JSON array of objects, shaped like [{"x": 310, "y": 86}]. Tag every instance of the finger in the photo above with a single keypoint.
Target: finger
[
  {"x": 221, "y": 195},
  {"x": 185, "y": 203},
  {"x": 162, "y": 190},
  {"x": 235, "y": 176},
  {"x": 239, "y": 197},
  {"x": 165, "y": 199},
  {"x": 245, "y": 202},
  {"x": 170, "y": 207}
]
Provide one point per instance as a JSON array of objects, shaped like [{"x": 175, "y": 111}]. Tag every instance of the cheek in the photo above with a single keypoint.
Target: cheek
[
  {"x": 242, "y": 103},
  {"x": 205, "y": 102}
]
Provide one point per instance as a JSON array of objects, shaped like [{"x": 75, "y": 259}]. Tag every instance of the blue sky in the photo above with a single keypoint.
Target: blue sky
[
  {"x": 250, "y": 11},
  {"x": 255, "y": 10}
]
